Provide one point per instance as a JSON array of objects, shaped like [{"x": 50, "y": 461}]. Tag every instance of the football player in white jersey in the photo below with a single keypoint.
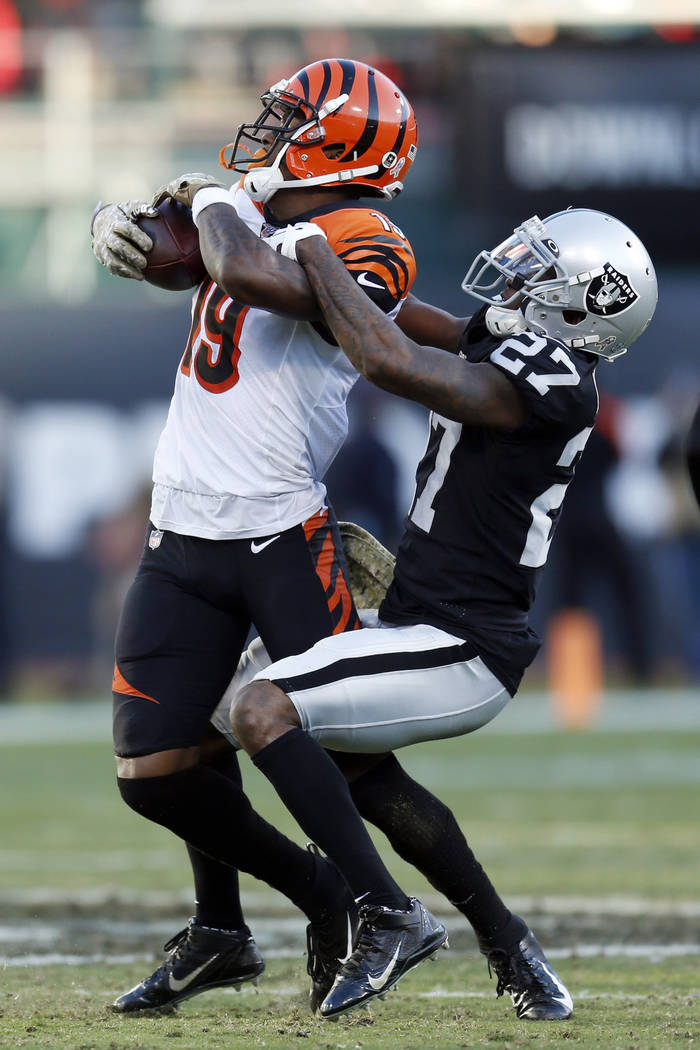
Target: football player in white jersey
[
  {"x": 241, "y": 533},
  {"x": 511, "y": 412}
]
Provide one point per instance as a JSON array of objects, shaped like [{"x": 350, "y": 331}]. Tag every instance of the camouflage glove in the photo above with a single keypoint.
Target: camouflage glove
[
  {"x": 183, "y": 188},
  {"x": 370, "y": 565},
  {"x": 117, "y": 242}
]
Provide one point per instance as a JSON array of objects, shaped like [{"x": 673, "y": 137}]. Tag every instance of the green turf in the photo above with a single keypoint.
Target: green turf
[
  {"x": 619, "y": 1006},
  {"x": 591, "y": 814},
  {"x": 557, "y": 813}
]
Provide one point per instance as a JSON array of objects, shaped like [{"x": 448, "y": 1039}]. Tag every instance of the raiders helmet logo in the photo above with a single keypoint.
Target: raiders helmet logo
[{"x": 610, "y": 293}]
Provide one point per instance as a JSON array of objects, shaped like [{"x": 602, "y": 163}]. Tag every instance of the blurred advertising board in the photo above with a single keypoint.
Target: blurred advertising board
[{"x": 609, "y": 128}]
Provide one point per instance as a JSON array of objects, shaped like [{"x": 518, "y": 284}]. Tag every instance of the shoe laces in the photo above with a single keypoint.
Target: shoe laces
[
  {"x": 514, "y": 971},
  {"x": 321, "y": 944},
  {"x": 368, "y": 915},
  {"x": 178, "y": 943},
  {"x": 318, "y": 963}
]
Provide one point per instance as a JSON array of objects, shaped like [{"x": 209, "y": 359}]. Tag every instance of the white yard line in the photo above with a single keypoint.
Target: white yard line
[
  {"x": 531, "y": 712},
  {"x": 651, "y": 952},
  {"x": 264, "y": 905}
]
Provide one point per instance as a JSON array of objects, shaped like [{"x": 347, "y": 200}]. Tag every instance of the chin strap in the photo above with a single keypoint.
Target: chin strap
[
  {"x": 503, "y": 322},
  {"x": 261, "y": 183}
]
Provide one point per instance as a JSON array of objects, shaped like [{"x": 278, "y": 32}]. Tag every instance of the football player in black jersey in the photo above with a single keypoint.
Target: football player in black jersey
[
  {"x": 511, "y": 412},
  {"x": 692, "y": 453}
]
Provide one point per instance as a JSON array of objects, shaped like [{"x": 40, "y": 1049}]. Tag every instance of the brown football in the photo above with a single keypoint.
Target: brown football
[{"x": 175, "y": 261}]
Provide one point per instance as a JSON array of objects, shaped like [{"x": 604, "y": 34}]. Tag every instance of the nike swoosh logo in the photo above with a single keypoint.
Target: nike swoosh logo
[
  {"x": 177, "y": 985},
  {"x": 257, "y": 547},
  {"x": 344, "y": 959},
  {"x": 364, "y": 280},
  {"x": 378, "y": 982},
  {"x": 562, "y": 990}
]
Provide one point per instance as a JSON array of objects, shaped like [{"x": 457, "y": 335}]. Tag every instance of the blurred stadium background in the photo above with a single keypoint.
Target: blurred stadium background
[
  {"x": 520, "y": 111},
  {"x": 522, "y": 108}
]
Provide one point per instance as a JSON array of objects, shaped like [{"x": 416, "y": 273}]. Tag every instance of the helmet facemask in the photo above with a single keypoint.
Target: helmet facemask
[
  {"x": 566, "y": 290},
  {"x": 260, "y": 146},
  {"x": 287, "y": 120}
]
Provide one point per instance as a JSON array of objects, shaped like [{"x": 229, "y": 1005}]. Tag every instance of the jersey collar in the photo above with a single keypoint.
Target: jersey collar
[{"x": 324, "y": 209}]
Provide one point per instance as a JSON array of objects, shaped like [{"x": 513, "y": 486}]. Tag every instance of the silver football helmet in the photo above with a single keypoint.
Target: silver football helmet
[{"x": 582, "y": 276}]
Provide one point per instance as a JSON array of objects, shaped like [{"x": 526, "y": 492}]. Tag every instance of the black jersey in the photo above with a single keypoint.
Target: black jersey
[
  {"x": 692, "y": 453},
  {"x": 487, "y": 502}
]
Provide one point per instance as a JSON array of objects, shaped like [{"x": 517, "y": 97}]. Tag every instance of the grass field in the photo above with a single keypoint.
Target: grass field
[
  {"x": 593, "y": 835},
  {"x": 643, "y": 1007}
]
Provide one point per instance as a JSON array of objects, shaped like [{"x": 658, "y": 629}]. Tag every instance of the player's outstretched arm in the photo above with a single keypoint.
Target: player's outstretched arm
[{"x": 467, "y": 393}]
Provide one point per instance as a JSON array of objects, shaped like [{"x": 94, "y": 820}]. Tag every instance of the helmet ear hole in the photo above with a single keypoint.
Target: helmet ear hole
[
  {"x": 574, "y": 317},
  {"x": 334, "y": 150}
]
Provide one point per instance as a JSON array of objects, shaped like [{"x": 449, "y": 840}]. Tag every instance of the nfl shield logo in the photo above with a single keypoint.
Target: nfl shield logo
[{"x": 155, "y": 538}]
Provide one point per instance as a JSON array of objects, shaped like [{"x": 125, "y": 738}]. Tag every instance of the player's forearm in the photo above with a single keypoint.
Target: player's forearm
[
  {"x": 443, "y": 382},
  {"x": 248, "y": 269},
  {"x": 366, "y": 335}
]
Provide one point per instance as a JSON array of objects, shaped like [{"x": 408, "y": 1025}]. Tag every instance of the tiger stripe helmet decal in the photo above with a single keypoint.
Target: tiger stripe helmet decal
[{"x": 336, "y": 121}]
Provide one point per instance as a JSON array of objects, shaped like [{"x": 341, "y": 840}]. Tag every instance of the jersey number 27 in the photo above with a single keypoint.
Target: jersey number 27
[{"x": 539, "y": 535}]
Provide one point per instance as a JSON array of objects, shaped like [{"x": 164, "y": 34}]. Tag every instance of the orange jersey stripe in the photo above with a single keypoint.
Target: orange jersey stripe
[{"x": 373, "y": 249}]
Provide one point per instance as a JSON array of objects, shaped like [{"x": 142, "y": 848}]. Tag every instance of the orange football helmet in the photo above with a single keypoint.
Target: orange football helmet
[{"x": 334, "y": 122}]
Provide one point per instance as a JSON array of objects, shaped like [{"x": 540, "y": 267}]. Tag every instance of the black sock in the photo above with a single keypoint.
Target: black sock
[
  {"x": 217, "y": 893},
  {"x": 217, "y": 896},
  {"x": 214, "y": 815},
  {"x": 317, "y": 795},
  {"x": 424, "y": 832}
]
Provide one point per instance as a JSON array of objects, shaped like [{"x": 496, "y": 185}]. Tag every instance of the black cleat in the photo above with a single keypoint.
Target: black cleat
[
  {"x": 331, "y": 939},
  {"x": 537, "y": 992},
  {"x": 329, "y": 944},
  {"x": 200, "y": 958},
  {"x": 390, "y": 943}
]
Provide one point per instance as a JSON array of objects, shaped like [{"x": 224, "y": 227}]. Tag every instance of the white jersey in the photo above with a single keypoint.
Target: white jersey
[{"x": 259, "y": 408}]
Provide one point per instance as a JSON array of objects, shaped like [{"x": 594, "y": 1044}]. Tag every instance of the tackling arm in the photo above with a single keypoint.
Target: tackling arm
[
  {"x": 468, "y": 393},
  {"x": 249, "y": 270}
]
